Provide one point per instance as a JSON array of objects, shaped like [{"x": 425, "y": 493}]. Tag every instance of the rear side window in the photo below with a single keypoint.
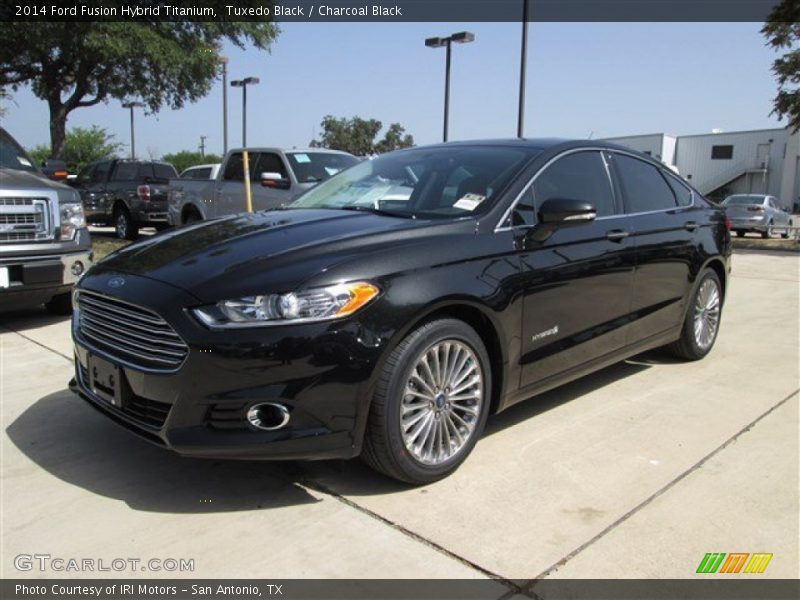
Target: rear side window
[
  {"x": 197, "y": 173},
  {"x": 644, "y": 187},
  {"x": 682, "y": 193},
  {"x": 579, "y": 176},
  {"x": 126, "y": 171},
  {"x": 164, "y": 171},
  {"x": 100, "y": 173}
]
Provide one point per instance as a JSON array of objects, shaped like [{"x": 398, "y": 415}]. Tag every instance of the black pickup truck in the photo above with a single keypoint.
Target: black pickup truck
[{"x": 126, "y": 193}]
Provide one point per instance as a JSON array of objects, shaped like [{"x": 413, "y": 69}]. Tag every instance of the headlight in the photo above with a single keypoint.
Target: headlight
[
  {"x": 318, "y": 304},
  {"x": 72, "y": 219}
]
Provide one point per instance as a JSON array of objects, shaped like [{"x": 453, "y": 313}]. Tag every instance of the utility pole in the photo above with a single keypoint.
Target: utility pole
[{"x": 203, "y": 146}]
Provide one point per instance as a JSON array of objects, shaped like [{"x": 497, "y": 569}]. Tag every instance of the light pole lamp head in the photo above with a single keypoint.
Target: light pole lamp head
[
  {"x": 463, "y": 37},
  {"x": 251, "y": 80},
  {"x": 436, "y": 42},
  {"x": 237, "y": 83},
  {"x": 132, "y": 105}
]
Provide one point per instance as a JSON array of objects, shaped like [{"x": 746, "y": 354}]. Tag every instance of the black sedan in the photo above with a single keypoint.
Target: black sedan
[{"x": 388, "y": 311}]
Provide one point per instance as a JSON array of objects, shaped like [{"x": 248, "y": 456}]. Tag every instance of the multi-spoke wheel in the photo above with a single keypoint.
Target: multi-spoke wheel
[
  {"x": 442, "y": 402},
  {"x": 431, "y": 403},
  {"x": 701, "y": 325}
]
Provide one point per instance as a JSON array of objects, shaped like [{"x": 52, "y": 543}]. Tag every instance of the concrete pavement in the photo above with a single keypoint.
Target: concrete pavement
[{"x": 636, "y": 471}]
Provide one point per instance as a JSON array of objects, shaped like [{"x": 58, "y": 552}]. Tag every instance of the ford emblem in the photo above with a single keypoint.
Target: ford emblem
[{"x": 116, "y": 282}]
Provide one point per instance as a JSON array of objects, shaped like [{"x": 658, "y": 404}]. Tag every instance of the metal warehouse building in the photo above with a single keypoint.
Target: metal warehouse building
[{"x": 718, "y": 164}]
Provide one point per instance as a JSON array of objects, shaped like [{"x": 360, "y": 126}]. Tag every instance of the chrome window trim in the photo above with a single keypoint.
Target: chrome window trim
[{"x": 603, "y": 150}]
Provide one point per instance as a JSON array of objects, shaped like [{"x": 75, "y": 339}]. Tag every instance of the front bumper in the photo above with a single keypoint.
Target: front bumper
[
  {"x": 37, "y": 278},
  {"x": 320, "y": 372}
]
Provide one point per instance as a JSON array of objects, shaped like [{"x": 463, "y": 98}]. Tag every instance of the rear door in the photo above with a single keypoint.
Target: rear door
[
  {"x": 664, "y": 226},
  {"x": 578, "y": 282},
  {"x": 95, "y": 194}
]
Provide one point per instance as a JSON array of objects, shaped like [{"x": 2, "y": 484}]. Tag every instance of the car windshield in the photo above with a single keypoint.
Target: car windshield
[
  {"x": 12, "y": 155},
  {"x": 739, "y": 200},
  {"x": 440, "y": 182},
  {"x": 311, "y": 167}
]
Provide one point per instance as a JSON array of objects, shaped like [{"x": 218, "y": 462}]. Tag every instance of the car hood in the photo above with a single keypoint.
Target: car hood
[
  {"x": 14, "y": 179},
  {"x": 277, "y": 249}
]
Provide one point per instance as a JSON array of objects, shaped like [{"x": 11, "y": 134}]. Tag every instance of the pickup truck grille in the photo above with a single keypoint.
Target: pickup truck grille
[
  {"x": 131, "y": 333},
  {"x": 25, "y": 220}
]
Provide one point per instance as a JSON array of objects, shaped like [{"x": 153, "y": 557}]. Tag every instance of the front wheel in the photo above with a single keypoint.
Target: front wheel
[
  {"x": 768, "y": 232},
  {"x": 431, "y": 403},
  {"x": 701, "y": 325}
]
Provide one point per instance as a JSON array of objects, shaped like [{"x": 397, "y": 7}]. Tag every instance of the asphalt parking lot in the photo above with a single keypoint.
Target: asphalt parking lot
[{"x": 635, "y": 471}]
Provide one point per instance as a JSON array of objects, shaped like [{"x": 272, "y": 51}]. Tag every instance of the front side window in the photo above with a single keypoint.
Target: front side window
[
  {"x": 234, "y": 169},
  {"x": 12, "y": 155},
  {"x": 268, "y": 162},
  {"x": 645, "y": 189},
  {"x": 318, "y": 166},
  {"x": 579, "y": 176},
  {"x": 100, "y": 173},
  {"x": 443, "y": 182}
]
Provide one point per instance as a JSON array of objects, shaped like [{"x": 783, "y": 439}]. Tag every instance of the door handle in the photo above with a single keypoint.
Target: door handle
[
  {"x": 617, "y": 235},
  {"x": 691, "y": 226}
]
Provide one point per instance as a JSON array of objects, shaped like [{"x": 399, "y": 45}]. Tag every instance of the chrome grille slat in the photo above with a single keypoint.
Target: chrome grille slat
[
  {"x": 25, "y": 219},
  {"x": 131, "y": 333}
]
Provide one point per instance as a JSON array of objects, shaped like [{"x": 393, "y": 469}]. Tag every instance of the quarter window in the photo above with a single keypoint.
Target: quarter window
[
  {"x": 578, "y": 176},
  {"x": 645, "y": 189},
  {"x": 682, "y": 193}
]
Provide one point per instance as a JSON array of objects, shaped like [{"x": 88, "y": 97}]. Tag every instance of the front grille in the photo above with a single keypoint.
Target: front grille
[
  {"x": 25, "y": 219},
  {"x": 142, "y": 410},
  {"x": 133, "y": 334}
]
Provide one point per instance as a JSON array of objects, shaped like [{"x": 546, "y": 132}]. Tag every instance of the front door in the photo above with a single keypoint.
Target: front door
[{"x": 578, "y": 281}]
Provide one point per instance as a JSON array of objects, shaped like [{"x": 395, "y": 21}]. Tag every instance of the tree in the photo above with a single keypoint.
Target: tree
[
  {"x": 81, "y": 146},
  {"x": 357, "y": 136},
  {"x": 186, "y": 158},
  {"x": 74, "y": 65},
  {"x": 782, "y": 31}
]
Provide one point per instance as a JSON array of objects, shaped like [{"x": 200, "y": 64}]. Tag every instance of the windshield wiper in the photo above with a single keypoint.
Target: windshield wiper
[{"x": 379, "y": 211}]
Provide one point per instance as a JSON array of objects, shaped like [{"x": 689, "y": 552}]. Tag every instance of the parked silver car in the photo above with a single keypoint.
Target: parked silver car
[{"x": 757, "y": 212}]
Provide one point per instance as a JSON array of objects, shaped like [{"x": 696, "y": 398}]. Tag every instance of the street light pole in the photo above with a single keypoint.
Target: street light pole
[
  {"x": 522, "y": 69},
  {"x": 243, "y": 83},
  {"x": 463, "y": 37},
  {"x": 131, "y": 106},
  {"x": 224, "y": 61}
]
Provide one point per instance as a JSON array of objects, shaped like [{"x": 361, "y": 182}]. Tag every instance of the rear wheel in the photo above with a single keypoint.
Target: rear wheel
[
  {"x": 124, "y": 227},
  {"x": 191, "y": 216},
  {"x": 60, "y": 304},
  {"x": 768, "y": 232},
  {"x": 739, "y": 233},
  {"x": 431, "y": 403},
  {"x": 787, "y": 234},
  {"x": 701, "y": 325}
]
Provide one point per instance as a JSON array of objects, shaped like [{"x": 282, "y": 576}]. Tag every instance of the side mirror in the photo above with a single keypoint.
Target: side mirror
[
  {"x": 55, "y": 169},
  {"x": 563, "y": 212},
  {"x": 275, "y": 180}
]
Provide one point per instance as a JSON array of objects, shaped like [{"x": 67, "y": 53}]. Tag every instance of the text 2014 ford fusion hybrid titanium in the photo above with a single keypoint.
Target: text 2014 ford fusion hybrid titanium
[{"x": 388, "y": 311}]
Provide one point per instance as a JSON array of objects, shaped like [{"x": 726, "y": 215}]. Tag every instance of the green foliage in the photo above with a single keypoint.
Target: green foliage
[
  {"x": 357, "y": 136},
  {"x": 81, "y": 146},
  {"x": 72, "y": 65},
  {"x": 186, "y": 158},
  {"x": 782, "y": 31}
]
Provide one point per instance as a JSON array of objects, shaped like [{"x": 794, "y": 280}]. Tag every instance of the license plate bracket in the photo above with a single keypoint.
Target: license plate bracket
[{"x": 107, "y": 381}]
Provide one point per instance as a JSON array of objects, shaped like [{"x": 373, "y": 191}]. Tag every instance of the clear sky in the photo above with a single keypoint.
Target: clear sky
[{"x": 602, "y": 78}]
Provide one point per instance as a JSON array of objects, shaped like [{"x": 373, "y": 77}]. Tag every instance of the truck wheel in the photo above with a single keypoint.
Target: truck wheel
[
  {"x": 739, "y": 233},
  {"x": 192, "y": 216},
  {"x": 60, "y": 304},
  {"x": 431, "y": 403},
  {"x": 124, "y": 227}
]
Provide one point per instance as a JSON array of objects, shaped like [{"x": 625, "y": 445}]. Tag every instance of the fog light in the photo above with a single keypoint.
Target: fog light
[
  {"x": 77, "y": 268},
  {"x": 268, "y": 416}
]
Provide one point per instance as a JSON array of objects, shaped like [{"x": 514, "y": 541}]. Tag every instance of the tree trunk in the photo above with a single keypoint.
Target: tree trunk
[{"x": 58, "y": 128}]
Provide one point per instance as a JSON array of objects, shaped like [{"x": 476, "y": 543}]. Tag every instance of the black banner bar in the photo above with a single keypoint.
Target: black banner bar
[
  {"x": 743, "y": 587},
  {"x": 386, "y": 11}
]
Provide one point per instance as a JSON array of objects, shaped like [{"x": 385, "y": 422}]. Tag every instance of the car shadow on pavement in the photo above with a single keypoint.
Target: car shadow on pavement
[
  {"x": 30, "y": 318},
  {"x": 75, "y": 444}
]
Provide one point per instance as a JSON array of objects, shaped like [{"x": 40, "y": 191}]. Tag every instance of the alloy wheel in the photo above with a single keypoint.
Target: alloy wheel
[
  {"x": 441, "y": 402},
  {"x": 122, "y": 225},
  {"x": 706, "y": 314}
]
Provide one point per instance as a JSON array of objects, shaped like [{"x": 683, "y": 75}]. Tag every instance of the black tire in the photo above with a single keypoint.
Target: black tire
[
  {"x": 384, "y": 449},
  {"x": 124, "y": 226},
  {"x": 192, "y": 216},
  {"x": 687, "y": 347},
  {"x": 786, "y": 234},
  {"x": 60, "y": 304},
  {"x": 739, "y": 233},
  {"x": 767, "y": 233}
]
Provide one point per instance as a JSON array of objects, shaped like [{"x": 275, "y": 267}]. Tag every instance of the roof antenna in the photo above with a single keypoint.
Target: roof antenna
[{"x": 591, "y": 133}]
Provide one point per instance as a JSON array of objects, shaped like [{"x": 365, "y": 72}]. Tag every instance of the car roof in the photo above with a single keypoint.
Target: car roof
[
  {"x": 206, "y": 166},
  {"x": 290, "y": 150},
  {"x": 539, "y": 144}
]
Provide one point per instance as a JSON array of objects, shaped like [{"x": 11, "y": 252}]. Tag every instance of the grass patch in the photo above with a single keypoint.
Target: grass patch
[{"x": 103, "y": 246}]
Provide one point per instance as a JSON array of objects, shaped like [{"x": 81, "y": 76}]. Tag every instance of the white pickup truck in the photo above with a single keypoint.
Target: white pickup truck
[{"x": 277, "y": 177}]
